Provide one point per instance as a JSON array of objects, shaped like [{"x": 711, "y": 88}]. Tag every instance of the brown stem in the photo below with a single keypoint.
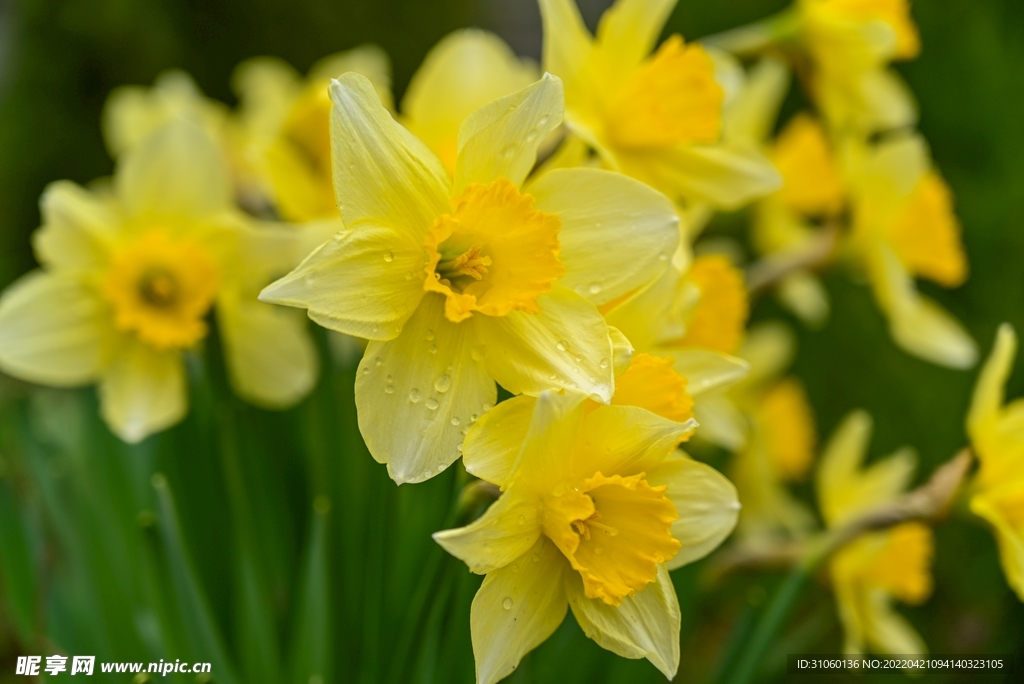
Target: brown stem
[{"x": 770, "y": 270}]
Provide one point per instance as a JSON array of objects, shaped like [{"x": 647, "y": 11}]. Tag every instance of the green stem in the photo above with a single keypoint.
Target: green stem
[{"x": 754, "y": 38}]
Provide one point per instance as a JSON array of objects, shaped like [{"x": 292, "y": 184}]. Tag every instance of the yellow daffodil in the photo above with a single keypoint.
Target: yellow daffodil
[
  {"x": 656, "y": 117},
  {"x": 596, "y": 509},
  {"x": 283, "y": 132},
  {"x": 129, "y": 274},
  {"x": 868, "y": 574},
  {"x": 904, "y": 228},
  {"x": 460, "y": 281},
  {"x": 463, "y": 72},
  {"x": 997, "y": 435},
  {"x": 779, "y": 442}
]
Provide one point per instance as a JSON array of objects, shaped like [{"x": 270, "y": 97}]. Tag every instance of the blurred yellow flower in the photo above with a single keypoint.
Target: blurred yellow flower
[
  {"x": 904, "y": 227},
  {"x": 129, "y": 275},
  {"x": 460, "y": 281},
  {"x": 656, "y": 117},
  {"x": 282, "y": 131},
  {"x": 868, "y": 574},
  {"x": 997, "y": 435},
  {"x": 596, "y": 509}
]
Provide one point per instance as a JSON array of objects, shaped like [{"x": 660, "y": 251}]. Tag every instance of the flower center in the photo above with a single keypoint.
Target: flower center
[
  {"x": 717, "y": 319},
  {"x": 614, "y": 531},
  {"x": 672, "y": 98},
  {"x": 493, "y": 254},
  {"x": 926, "y": 234},
  {"x": 161, "y": 289}
]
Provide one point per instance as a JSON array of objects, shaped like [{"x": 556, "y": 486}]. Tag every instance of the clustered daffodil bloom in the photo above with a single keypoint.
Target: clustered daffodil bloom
[
  {"x": 656, "y": 117},
  {"x": 868, "y": 574},
  {"x": 997, "y": 435},
  {"x": 129, "y": 275},
  {"x": 460, "y": 281},
  {"x": 596, "y": 507}
]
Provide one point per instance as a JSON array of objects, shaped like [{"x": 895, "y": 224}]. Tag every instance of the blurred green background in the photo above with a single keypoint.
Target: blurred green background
[{"x": 273, "y": 546}]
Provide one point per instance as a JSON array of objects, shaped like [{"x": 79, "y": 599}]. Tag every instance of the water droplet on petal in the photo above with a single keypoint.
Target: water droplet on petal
[
  {"x": 408, "y": 275},
  {"x": 430, "y": 334},
  {"x": 662, "y": 256},
  {"x": 456, "y": 421},
  {"x": 542, "y": 120},
  {"x": 594, "y": 288},
  {"x": 432, "y": 349},
  {"x": 389, "y": 389},
  {"x": 432, "y": 404},
  {"x": 378, "y": 361},
  {"x": 487, "y": 406},
  {"x": 414, "y": 395},
  {"x": 310, "y": 278},
  {"x": 522, "y": 520},
  {"x": 562, "y": 345},
  {"x": 578, "y": 358},
  {"x": 389, "y": 257},
  {"x": 536, "y": 558},
  {"x": 473, "y": 418},
  {"x": 604, "y": 363},
  {"x": 440, "y": 467},
  {"x": 443, "y": 383},
  {"x": 598, "y": 549},
  {"x": 507, "y": 603}
]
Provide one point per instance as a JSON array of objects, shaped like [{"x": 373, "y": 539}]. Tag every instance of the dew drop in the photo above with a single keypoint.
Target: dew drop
[
  {"x": 430, "y": 335},
  {"x": 531, "y": 136},
  {"x": 598, "y": 549},
  {"x": 432, "y": 404},
  {"x": 487, "y": 406},
  {"x": 604, "y": 363},
  {"x": 553, "y": 377},
  {"x": 440, "y": 466},
  {"x": 536, "y": 558},
  {"x": 432, "y": 349},
  {"x": 542, "y": 120},
  {"x": 522, "y": 520},
  {"x": 662, "y": 256},
  {"x": 366, "y": 370},
  {"x": 509, "y": 151},
  {"x": 456, "y": 421},
  {"x": 578, "y": 358},
  {"x": 473, "y": 418},
  {"x": 378, "y": 361},
  {"x": 389, "y": 389},
  {"x": 507, "y": 603},
  {"x": 562, "y": 345},
  {"x": 310, "y": 278},
  {"x": 408, "y": 275},
  {"x": 414, "y": 395},
  {"x": 390, "y": 379},
  {"x": 389, "y": 257},
  {"x": 443, "y": 383},
  {"x": 459, "y": 448},
  {"x": 575, "y": 369},
  {"x": 594, "y": 288}
]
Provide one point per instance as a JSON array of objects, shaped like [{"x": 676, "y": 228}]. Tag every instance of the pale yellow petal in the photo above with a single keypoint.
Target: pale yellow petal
[
  {"x": 369, "y": 60},
  {"x": 751, "y": 116},
  {"x": 769, "y": 348},
  {"x": 382, "y": 173},
  {"x": 417, "y": 393},
  {"x": 706, "y": 501},
  {"x": 840, "y": 461},
  {"x": 888, "y": 632},
  {"x": 178, "y": 171},
  {"x": 143, "y": 391},
  {"x": 565, "y": 345},
  {"x": 544, "y": 460},
  {"x": 629, "y": 30},
  {"x": 989, "y": 392},
  {"x": 721, "y": 422},
  {"x": 1010, "y": 540},
  {"x": 467, "y": 69},
  {"x": 706, "y": 371},
  {"x": 266, "y": 88},
  {"x": 625, "y": 440},
  {"x": 78, "y": 228},
  {"x": 617, "y": 233},
  {"x": 509, "y": 528},
  {"x": 645, "y": 625},
  {"x": 501, "y": 139},
  {"x": 52, "y": 330},
  {"x": 270, "y": 356},
  {"x": 516, "y": 609},
  {"x": 492, "y": 446},
  {"x": 567, "y": 42},
  {"x": 804, "y": 294},
  {"x": 622, "y": 350},
  {"x": 366, "y": 282}
]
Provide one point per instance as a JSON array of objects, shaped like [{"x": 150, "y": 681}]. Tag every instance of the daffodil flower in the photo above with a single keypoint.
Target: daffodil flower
[
  {"x": 282, "y": 130},
  {"x": 460, "y": 281},
  {"x": 656, "y": 117},
  {"x": 904, "y": 227},
  {"x": 596, "y": 509},
  {"x": 129, "y": 275},
  {"x": 997, "y": 435},
  {"x": 879, "y": 567}
]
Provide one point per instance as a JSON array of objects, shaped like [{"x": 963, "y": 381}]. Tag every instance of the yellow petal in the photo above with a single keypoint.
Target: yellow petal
[
  {"x": 365, "y": 282},
  {"x": 78, "y": 229},
  {"x": 625, "y": 440},
  {"x": 989, "y": 392},
  {"x": 652, "y": 384},
  {"x": 769, "y": 348},
  {"x": 567, "y": 43},
  {"x": 786, "y": 424},
  {"x": 416, "y": 394},
  {"x": 617, "y": 233},
  {"x": 645, "y": 625},
  {"x": 501, "y": 138},
  {"x": 706, "y": 502},
  {"x": 804, "y": 294},
  {"x": 467, "y": 69},
  {"x": 725, "y": 178},
  {"x": 178, "y": 171},
  {"x": 565, "y": 345},
  {"x": 143, "y": 391},
  {"x": 493, "y": 444},
  {"x": 629, "y": 29},
  {"x": 1010, "y": 539},
  {"x": 369, "y": 60},
  {"x": 706, "y": 371},
  {"x": 721, "y": 422},
  {"x": 811, "y": 182},
  {"x": 926, "y": 234},
  {"x": 654, "y": 314},
  {"x": 382, "y": 173},
  {"x": 622, "y": 350},
  {"x": 266, "y": 88},
  {"x": 717, "y": 320},
  {"x": 543, "y": 462},
  {"x": 270, "y": 356},
  {"x": 750, "y": 117},
  {"x": 516, "y": 609},
  {"x": 889, "y": 632},
  {"x": 52, "y": 330},
  {"x": 901, "y": 562},
  {"x": 509, "y": 528}
]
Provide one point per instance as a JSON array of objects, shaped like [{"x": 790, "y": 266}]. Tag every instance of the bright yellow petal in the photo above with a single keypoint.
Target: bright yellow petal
[
  {"x": 750, "y": 117},
  {"x": 1010, "y": 540},
  {"x": 369, "y": 60},
  {"x": 926, "y": 234},
  {"x": 888, "y": 632},
  {"x": 467, "y": 69},
  {"x": 840, "y": 460},
  {"x": 492, "y": 446},
  {"x": 811, "y": 182},
  {"x": 629, "y": 29},
  {"x": 501, "y": 139},
  {"x": 567, "y": 43},
  {"x": 266, "y": 88},
  {"x": 645, "y": 625},
  {"x": 617, "y": 234},
  {"x": 366, "y": 282},
  {"x": 417, "y": 394},
  {"x": 52, "y": 330},
  {"x": 143, "y": 391},
  {"x": 506, "y": 531},
  {"x": 270, "y": 356},
  {"x": 565, "y": 345},
  {"x": 78, "y": 229},
  {"x": 706, "y": 501},
  {"x": 786, "y": 426},
  {"x": 652, "y": 384},
  {"x": 382, "y": 173},
  {"x": 718, "y": 318},
  {"x": 178, "y": 171},
  {"x": 989, "y": 392},
  {"x": 543, "y": 462},
  {"x": 625, "y": 440},
  {"x": 516, "y": 609}
]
